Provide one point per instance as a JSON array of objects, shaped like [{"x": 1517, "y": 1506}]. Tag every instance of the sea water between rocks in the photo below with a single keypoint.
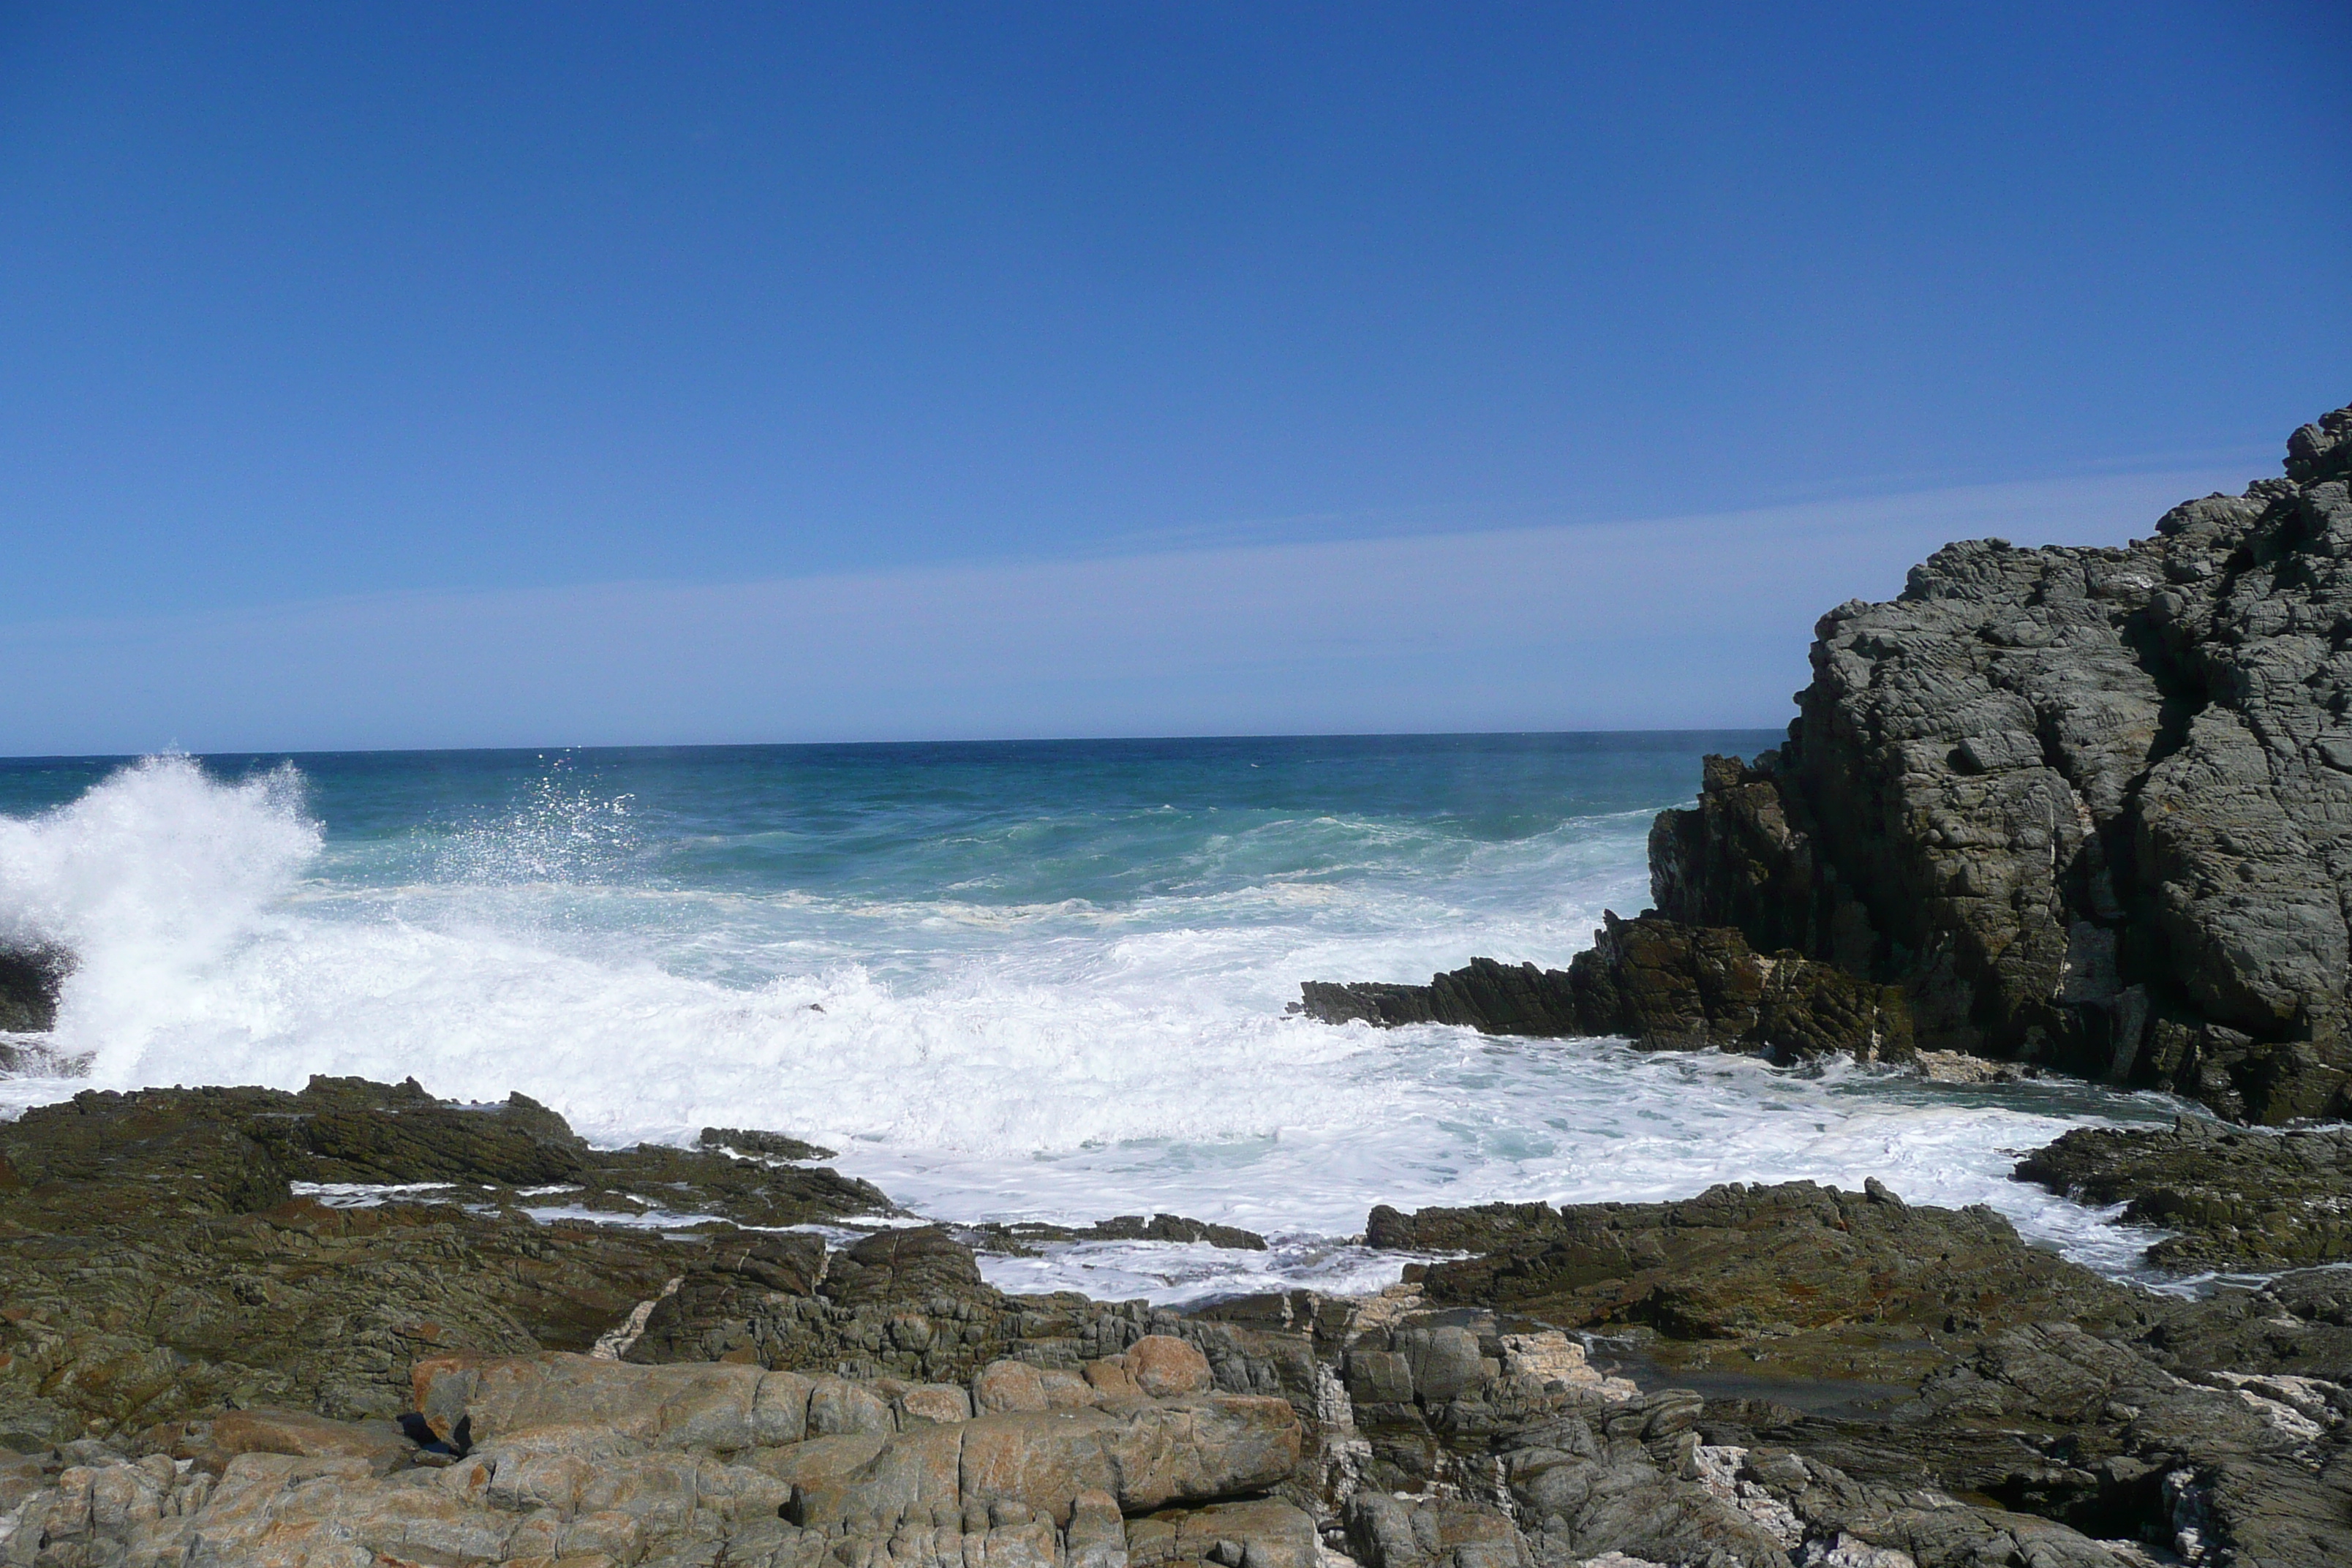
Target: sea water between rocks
[{"x": 1006, "y": 981}]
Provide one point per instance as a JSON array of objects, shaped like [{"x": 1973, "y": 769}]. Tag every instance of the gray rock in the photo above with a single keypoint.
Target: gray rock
[
  {"x": 2088, "y": 808},
  {"x": 2084, "y": 808},
  {"x": 2235, "y": 1199}
]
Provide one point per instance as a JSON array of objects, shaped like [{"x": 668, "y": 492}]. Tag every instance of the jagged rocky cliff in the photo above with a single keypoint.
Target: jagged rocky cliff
[{"x": 2084, "y": 808}]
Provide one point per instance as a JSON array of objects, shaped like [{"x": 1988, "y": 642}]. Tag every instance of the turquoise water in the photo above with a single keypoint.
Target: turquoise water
[{"x": 1007, "y": 981}]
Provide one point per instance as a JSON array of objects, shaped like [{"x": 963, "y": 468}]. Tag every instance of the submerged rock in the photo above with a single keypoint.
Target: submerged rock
[
  {"x": 30, "y": 976},
  {"x": 751, "y": 1140},
  {"x": 1025, "y": 1235}
]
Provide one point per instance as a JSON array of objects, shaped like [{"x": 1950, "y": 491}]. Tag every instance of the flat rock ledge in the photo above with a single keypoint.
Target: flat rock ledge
[{"x": 2236, "y": 1198}]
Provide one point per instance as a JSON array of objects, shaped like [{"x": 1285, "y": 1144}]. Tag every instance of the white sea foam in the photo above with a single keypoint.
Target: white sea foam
[{"x": 1060, "y": 1060}]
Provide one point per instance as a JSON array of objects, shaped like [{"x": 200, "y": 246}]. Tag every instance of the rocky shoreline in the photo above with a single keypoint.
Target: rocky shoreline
[
  {"x": 2081, "y": 811},
  {"x": 205, "y": 1360}
]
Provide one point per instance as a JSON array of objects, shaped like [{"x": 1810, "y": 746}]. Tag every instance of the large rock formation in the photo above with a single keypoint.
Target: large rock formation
[{"x": 2088, "y": 809}]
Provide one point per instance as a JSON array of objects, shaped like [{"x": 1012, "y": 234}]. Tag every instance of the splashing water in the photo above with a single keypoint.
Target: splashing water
[{"x": 1007, "y": 982}]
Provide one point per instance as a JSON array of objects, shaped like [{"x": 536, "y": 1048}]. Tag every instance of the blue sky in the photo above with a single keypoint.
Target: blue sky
[{"x": 414, "y": 374}]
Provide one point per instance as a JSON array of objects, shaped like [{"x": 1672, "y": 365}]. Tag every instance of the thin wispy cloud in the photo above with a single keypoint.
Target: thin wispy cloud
[{"x": 1681, "y": 622}]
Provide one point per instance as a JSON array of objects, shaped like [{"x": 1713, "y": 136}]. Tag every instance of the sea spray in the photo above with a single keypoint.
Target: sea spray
[{"x": 150, "y": 880}]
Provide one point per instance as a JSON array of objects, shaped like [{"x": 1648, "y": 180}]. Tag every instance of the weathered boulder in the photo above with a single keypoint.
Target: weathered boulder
[
  {"x": 1261, "y": 1534},
  {"x": 1385, "y": 1532},
  {"x": 303, "y": 1434}
]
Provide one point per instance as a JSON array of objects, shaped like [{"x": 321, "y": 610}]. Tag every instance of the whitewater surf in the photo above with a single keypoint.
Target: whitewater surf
[{"x": 1041, "y": 982}]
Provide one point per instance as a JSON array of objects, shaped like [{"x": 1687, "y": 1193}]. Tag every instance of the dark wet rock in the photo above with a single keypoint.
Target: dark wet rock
[
  {"x": 1998, "y": 1404},
  {"x": 1795, "y": 1281},
  {"x": 751, "y": 1140},
  {"x": 2240, "y": 1199},
  {"x": 1489, "y": 1227},
  {"x": 155, "y": 1263},
  {"x": 30, "y": 976},
  {"x": 1662, "y": 983},
  {"x": 1658, "y": 982},
  {"x": 2298, "y": 1323},
  {"x": 914, "y": 1265},
  {"x": 1025, "y": 1235},
  {"x": 2088, "y": 808},
  {"x": 231, "y": 1150},
  {"x": 1498, "y": 998}
]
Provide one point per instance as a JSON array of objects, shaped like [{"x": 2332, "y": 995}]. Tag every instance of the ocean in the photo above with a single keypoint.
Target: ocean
[{"x": 1009, "y": 981}]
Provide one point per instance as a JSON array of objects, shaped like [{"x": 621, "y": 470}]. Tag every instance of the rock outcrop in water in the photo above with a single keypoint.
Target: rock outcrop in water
[
  {"x": 1663, "y": 985},
  {"x": 2237, "y": 1200},
  {"x": 29, "y": 978},
  {"x": 2088, "y": 809}
]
